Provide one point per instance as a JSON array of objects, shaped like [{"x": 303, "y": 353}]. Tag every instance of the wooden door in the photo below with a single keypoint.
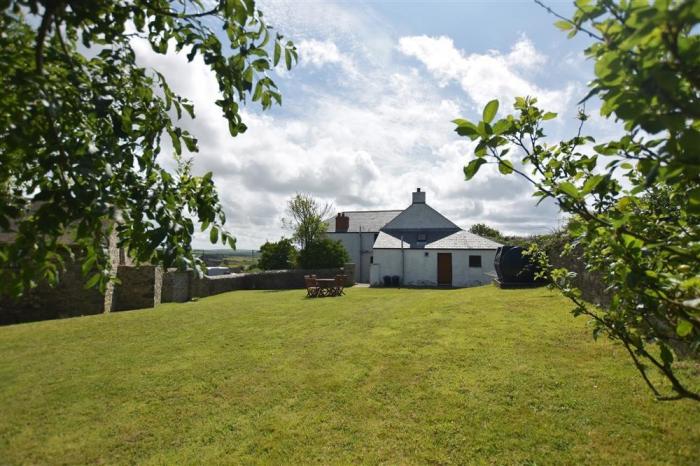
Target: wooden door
[{"x": 444, "y": 269}]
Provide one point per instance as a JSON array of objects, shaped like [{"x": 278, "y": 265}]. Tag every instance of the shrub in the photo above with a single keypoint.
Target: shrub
[
  {"x": 277, "y": 256},
  {"x": 323, "y": 254}
]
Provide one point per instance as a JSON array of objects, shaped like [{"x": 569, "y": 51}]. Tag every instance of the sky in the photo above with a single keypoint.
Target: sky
[{"x": 366, "y": 114}]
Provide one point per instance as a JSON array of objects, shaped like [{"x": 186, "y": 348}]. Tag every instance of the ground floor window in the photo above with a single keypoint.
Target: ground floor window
[{"x": 475, "y": 261}]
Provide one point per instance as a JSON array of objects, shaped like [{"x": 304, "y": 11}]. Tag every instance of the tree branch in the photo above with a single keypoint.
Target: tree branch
[
  {"x": 564, "y": 18},
  {"x": 43, "y": 30}
]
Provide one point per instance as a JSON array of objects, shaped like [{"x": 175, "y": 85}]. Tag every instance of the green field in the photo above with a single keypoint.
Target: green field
[{"x": 478, "y": 375}]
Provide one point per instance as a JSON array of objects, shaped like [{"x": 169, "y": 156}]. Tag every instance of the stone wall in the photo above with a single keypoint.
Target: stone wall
[
  {"x": 139, "y": 287},
  {"x": 183, "y": 286},
  {"x": 591, "y": 284},
  {"x": 68, "y": 298},
  {"x": 176, "y": 287}
]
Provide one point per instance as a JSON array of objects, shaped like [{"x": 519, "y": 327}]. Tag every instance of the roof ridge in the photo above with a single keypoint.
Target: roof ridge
[{"x": 382, "y": 210}]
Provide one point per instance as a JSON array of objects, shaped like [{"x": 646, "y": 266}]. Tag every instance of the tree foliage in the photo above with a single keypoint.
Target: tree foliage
[
  {"x": 304, "y": 217},
  {"x": 486, "y": 231},
  {"x": 641, "y": 235},
  {"x": 277, "y": 256},
  {"x": 323, "y": 253},
  {"x": 82, "y": 127}
]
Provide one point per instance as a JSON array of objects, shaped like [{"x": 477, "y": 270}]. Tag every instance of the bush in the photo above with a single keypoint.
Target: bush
[
  {"x": 323, "y": 254},
  {"x": 277, "y": 256}
]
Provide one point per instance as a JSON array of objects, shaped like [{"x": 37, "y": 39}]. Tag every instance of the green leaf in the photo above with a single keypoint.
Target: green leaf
[
  {"x": 277, "y": 54},
  {"x": 549, "y": 116},
  {"x": 591, "y": 183},
  {"x": 248, "y": 75},
  {"x": 473, "y": 167},
  {"x": 666, "y": 355},
  {"x": 563, "y": 25},
  {"x": 93, "y": 280},
  {"x": 288, "y": 58},
  {"x": 684, "y": 328},
  {"x": 175, "y": 140},
  {"x": 466, "y": 128},
  {"x": 569, "y": 189},
  {"x": 505, "y": 167},
  {"x": 214, "y": 235},
  {"x": 501, "y": 126},
  {"x": 490, "y": 111}
]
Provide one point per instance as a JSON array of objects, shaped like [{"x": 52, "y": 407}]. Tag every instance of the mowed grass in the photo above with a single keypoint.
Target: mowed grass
[{"x": 477, "y": 375}]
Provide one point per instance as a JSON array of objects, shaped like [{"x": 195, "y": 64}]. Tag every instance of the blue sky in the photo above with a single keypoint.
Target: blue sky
[{"x": 366, "y": 114}]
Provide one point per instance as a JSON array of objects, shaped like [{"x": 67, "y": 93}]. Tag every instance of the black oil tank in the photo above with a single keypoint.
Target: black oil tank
[{"x": 512, "y": 266}]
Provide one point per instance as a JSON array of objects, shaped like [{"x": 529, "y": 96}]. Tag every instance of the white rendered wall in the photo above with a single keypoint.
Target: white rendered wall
[
  {"x": 359, "y": 247},
  {"x": 421, "y": 269}
]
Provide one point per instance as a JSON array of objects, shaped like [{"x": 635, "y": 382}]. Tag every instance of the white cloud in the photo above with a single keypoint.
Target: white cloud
[
  {"x": 319, "y": 53},
  {"x": 525, "y": 55},
  {"x": 485, "y": 76},
  {"x": 367, "y": 144}
]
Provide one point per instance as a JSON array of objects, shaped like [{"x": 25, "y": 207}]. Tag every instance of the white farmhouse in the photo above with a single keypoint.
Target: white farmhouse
[{"x": 418, "y": 245}]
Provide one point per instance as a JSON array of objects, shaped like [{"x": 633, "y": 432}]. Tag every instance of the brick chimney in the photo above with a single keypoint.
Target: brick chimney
[
  {"x": 342, "y": 223},
  {"x": 419, "y": 197}
]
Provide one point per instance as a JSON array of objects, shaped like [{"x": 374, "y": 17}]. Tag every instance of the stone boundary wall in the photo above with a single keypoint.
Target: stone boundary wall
[
  {"x": 68, "y": 298},
  {"x": 140, "y": 287},
  {"x": 182, "y": 286},
  {"x": 591, "y": 284}
]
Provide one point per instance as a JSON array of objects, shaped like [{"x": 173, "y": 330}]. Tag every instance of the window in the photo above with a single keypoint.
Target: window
[
  {"x": 475, "y": 261},
  {"x": 421, "y": 237},
  {"x": 371, "y": 259}
]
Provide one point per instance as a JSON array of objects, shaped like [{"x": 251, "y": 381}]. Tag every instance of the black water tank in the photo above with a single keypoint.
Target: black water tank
[
  {"x": 395, "y": 280},
  {"x": 387, "y": 280},
  {"x": 512, "y": 266}
]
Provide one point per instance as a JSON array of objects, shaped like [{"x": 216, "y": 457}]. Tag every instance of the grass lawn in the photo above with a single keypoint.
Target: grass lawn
[{"x": 478, "y": 375}]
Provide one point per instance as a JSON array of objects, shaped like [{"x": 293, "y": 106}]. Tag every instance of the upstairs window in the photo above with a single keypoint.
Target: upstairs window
[
  {"x": 422, "y": 237},
  {"x": 475, "y": 261}
]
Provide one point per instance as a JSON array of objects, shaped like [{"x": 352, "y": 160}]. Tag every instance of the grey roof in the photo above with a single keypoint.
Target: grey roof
[
  {"x": 434, "y": 240},
  {"x": 463, "y": 240},
  {"x": 386, "y": 241},
  {"x": 420, "y": 215},
  {"x": 370, "y": 221}
]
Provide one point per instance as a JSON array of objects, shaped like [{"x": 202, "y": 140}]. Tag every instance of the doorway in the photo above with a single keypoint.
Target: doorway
[{"x": 444, "y": 269}]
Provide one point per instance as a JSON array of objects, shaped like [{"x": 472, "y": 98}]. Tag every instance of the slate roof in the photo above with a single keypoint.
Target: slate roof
[
  {"x": 420, "y": 215},
  {"x": 434, "y": 240},
  {"x": 371, "y": 221},
  {"x": 463, "y": 240},
  {"x": 386, "y": 241}
]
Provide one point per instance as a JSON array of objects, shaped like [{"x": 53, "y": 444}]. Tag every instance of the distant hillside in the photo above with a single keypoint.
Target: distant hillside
[{"x": 227, "y": 252}]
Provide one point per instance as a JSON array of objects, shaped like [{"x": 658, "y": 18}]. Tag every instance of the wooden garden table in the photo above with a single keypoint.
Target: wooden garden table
[{"x": 326, "y": 286}]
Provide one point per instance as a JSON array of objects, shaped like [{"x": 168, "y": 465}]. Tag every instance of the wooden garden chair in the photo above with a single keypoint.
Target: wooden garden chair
[
  {"x": 339, "y": 283},
  {"x": 312, "y": 289}
]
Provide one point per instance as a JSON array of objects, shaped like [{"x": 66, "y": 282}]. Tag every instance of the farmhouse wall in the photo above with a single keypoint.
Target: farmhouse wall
[
  {"x": 420, "y": 266},
  {"x": 359, "y": 247}
]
